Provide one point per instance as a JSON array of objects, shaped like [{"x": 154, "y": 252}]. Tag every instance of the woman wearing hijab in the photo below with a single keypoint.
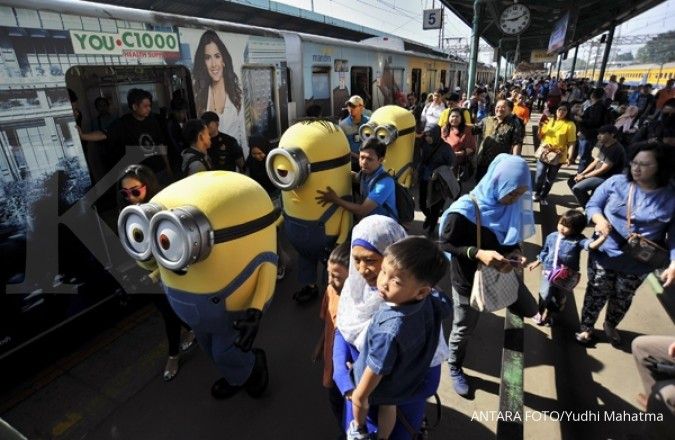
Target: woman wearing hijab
[
  {"x": 359, "y": 300},
  {"x": 435, "y": 153},
  {"x": 627, "y": 124},
  {"x": 506, "y": 220}
]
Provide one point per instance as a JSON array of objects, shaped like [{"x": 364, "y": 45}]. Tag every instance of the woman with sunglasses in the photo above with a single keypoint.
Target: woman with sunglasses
[{"x": 138, "y": 185}]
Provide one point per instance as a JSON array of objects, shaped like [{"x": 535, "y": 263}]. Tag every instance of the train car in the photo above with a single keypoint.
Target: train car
[
  {"x": 635, "y": 74},
  {"x": 324, "y": 72},
  {"x": 59, "y": 256}
]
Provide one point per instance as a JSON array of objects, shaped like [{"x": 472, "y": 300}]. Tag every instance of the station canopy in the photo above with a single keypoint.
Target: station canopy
[{"x": 587, "y": 19}]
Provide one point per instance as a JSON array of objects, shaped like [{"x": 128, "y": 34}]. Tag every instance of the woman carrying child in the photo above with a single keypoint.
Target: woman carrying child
[
  {"x": 359, "y": 301},
  {"x": 560, "y": 256}
]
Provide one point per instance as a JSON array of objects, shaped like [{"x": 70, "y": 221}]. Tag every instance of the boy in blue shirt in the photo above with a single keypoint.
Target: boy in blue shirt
[
  {"x": 378, "y": 190},
  {"x": 403, "y": 334}
]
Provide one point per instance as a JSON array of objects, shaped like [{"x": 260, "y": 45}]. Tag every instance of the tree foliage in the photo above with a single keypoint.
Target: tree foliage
[{"x": 660, "y": 49}]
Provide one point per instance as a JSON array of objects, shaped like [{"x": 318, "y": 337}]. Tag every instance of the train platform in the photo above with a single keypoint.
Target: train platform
[{"x": 112, "y": 388}]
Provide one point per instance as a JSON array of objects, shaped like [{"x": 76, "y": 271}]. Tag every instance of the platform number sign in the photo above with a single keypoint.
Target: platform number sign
[{"x": 433, "y": 19}]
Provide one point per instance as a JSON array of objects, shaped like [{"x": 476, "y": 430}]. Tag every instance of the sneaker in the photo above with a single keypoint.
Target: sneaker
[
  {"x": 543, "y": 202},
  {"x": 257, "y": 382},
  {"x": 535, "y": 197},
  {"x": 281, "y": 271},
  {"x": 188, "y": 341},
  {"x": 356, "y": 432},
  {"x": 306, "y": 294},
  {"x": 171, "y": 368},
  {"x": 459, "y": 382},
  {"x": 612, "y": 333}
]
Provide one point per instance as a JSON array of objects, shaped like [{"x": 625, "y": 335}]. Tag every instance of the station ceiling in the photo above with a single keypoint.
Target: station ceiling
[{"x": 588, "y": 18}]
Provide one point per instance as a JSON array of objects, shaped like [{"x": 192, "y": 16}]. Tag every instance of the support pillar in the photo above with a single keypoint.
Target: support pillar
[
  {"x": 605, "y": 56},
  {"x": 499, "y": 64},
  {"x": 557, "y": 75},
  {"x": 574, "y": 61},
  {"x": 473, "y": 61}
]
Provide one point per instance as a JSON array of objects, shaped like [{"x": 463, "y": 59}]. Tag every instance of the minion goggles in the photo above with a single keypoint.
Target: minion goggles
[
  {"x": 177, "y": 237},
  {"x": 386, "y": 133},
  {"x": 300, "y": 167}
]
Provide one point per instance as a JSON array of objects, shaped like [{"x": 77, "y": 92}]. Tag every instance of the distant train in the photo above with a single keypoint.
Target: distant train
[
  {"x": 272, "y": 77},
  {"x": 655, "y": 74}
]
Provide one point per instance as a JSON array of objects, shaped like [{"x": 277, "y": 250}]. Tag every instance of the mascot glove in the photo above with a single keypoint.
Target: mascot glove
[{"x": 248, "y": 329}]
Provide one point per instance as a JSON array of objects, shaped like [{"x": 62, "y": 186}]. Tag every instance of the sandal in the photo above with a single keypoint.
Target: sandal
[
  {"x": 584, "y": 337},
  {"x": 187, "y": 341},
  {"x": 171, "y": 368}
]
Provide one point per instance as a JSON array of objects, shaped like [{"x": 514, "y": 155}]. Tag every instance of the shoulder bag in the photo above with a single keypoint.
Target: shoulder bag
[
  {"x": 547, "y": 156},
  {"x": 562, "y": 276},
  {"x": 640, "y": 248},
  {"x": 492, "y": 290}
]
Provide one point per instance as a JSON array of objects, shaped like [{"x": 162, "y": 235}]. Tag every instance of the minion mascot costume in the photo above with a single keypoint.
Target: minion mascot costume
[
  {"x": 312, "y": 153},
  {"x": 395, "y": 126},
  {"x": 213, "y": 237}
]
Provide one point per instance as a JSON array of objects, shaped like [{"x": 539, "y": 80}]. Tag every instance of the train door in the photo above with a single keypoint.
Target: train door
[
  {"x": 321, "y": 89},
  {"x": 433, "y": 80},
  {"x": 416, "y": 81},
  {"x": 443, "y": 78},
  {"x": 362, "y": 84}
]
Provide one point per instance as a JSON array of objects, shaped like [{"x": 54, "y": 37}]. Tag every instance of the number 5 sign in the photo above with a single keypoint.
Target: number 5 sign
[{"x": 432, "y": 19}]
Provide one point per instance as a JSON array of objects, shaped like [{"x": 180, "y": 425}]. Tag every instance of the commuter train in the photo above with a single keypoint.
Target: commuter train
[
  {"x": 635, "y": 74},
  {"x": 59, "y": 256}
]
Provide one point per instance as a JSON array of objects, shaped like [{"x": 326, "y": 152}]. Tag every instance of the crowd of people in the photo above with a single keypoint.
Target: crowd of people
[{"x": 383, "y": 344}]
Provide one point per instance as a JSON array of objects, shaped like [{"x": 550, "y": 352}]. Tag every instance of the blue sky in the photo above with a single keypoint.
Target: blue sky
[{"x": 404, "y": 18}]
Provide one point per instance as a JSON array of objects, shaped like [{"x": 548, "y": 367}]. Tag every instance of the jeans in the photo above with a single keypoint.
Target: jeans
[
  {"x": 584, "y": 189},
  {"x": 544, "y": 178},
  {"x": 464, "y": 320},
  {"x": 584, "y": 154}
]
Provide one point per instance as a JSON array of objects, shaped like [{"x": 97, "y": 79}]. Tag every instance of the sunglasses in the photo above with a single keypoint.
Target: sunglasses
[{"x": 135, "y": 191}]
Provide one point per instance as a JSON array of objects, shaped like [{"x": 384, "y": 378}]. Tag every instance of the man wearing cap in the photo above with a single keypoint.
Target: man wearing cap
[{"x": 350, "y": 126}]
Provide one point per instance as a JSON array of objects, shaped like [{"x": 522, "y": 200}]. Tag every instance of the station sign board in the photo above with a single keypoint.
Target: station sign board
[
  {"x": 126, "y": 42},
  {"x": 433, "y": 19},
  {"x": 542, "y": 56}
]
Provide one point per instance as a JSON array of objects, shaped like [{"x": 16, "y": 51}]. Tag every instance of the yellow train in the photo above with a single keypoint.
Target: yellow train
[{"x": 635, "y": 74}]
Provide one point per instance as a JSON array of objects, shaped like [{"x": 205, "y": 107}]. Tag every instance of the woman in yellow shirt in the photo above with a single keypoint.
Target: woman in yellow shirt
[{"x": 559, "y": 134}]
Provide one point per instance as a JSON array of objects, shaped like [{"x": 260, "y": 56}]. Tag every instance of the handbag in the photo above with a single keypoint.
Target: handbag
[
  {"x": 562, "y": 276},
  {"x": 549, "y": 157},
  {"x": 492, "y": 290},
  {"x": 640, "y": 248}
]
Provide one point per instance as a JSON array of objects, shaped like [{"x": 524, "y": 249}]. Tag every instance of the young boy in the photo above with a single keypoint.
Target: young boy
[
  {"x": 338, "y": 269},
  {"x": 403, "y": 334}
]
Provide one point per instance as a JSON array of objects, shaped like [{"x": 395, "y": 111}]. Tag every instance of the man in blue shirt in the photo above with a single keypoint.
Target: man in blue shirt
[
  {"x": 350, "y": 126},
  {"x": 378, "y": 190}
]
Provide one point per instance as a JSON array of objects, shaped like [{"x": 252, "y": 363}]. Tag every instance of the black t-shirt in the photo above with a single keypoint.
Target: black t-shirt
[
  {"x": 224, "y": 152},
  {"x": 460, "y": 233},
  {"x": 146, "y": 135},
  {"x": 614, "y": 154}
]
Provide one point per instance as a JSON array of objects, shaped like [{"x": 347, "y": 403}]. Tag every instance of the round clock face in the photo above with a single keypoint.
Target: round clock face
[{"x": 514, "y": 19}]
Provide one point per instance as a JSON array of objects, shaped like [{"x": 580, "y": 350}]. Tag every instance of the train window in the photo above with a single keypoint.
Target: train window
[
  {"x": 362, "y": 84},
  {"x": 320, "y": 89},
  {"x": 259, "y": 96}
]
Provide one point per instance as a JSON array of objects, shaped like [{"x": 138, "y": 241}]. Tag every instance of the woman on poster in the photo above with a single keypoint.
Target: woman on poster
[{"x": 217, "y": 87}]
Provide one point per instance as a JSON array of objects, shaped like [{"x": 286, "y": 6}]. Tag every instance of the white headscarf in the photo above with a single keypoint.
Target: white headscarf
[{"x": 358, "y": 301}]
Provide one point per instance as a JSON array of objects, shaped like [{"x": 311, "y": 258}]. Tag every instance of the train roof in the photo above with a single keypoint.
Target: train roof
[{"x": 365, "y": 44}]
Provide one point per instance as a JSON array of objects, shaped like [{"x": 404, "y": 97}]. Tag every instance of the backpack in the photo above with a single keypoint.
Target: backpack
[
  {"x": 194, "y": 158},
  {"x": 405, "y": 204}
]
